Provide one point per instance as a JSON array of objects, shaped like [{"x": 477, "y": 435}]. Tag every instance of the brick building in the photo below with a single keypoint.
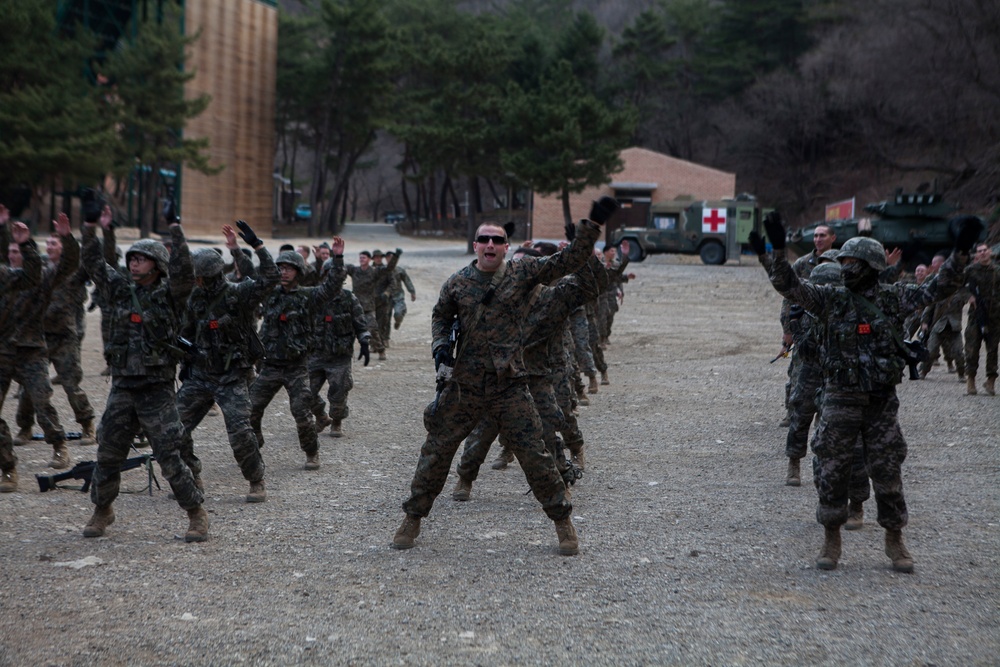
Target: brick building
[{"x": 647, "y": 177}]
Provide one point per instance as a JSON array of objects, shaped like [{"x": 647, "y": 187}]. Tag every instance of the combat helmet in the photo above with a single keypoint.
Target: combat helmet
[
  {"x": 154, "y": 250},
  {"x": 207, "y": 263},
  {"x": 866, "y": 249},
  {"x": 826, "y": 274},
  {"x": 293, "y": 258},
  {"x": 830, "y": 255}
]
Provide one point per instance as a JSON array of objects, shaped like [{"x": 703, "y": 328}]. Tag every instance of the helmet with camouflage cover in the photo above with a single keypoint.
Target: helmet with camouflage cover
[
  {"x": 207, "y": 263},
  {"x": 865, "y": 249},
  {"x": 293, "y": 258},
  {"x": 826, "y": 274},
  {"x": 829, "y": 256},
  {"x": 153, "y": 250}
]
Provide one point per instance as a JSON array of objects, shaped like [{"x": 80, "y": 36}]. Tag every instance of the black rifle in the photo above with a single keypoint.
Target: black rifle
[
  {"x": 444, "y": 372},
  {"x": 84, "y": 470},
  {"x": 980, "y": 311}
]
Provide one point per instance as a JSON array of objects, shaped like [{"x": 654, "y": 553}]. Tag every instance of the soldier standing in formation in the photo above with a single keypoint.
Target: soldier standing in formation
[
  {"x": 983, "y": 328},
  {"x": 862, "y": 365},
  {"x": 12, "y": 281},
  {"x": 144, "y": 312},
  {"x": 488, "y": 298}
]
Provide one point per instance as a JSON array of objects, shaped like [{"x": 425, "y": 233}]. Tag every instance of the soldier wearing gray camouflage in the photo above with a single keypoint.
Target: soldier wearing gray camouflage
[
  {"x": 400, "y": 279},
  {"x": 144, "y": 311},
  {"x": 862, "y": 365},
  {"x": 337, "y": 323},
  {"x": 487, "y": 297},
  {"x": 22, "y": 339},
  {"x": 220, "y": 322},
  {"x": 368, "y": 282},
  {"x": 289, "y": 311},
  {"x": 944, "y": 322},
  {"x": 12, "y": 281}
]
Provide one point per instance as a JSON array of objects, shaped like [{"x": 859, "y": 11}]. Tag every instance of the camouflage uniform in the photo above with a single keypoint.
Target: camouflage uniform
[
  {"x": 489, "y": 377},
  {"x": 861, "y": 367},
  {"x": 986, "y": 281},
  {"x": 13, "y": 281},
  {"x": 220, "y": 322},
  {"x": 22, "y": 343},
  {"x": 368, "y": 284},
  {"x": 286, "y": 334},
  {"x": 401, "y": 278},
  {"x": 142, "y": 355},
  {"x": 335, "y": 326},
  {"x": 944, "y": 321},
  {"x": 580, "y": 329}
]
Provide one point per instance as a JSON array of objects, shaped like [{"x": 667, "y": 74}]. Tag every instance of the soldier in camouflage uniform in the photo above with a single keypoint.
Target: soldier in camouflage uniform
[
  {"x": 580, "y": 328},
  {"x": 368, "y": 282},
  {"x": 944, "y": 322},
  {"x": 336, "y": 324},
  {"x": 286, "y": 333},
  {"x": 862, "y": 365},
  {"x": 62, "y": 343},
  {"x": 383, "y": 309},
  {"x": 12, "y": 281},
  {"x": 983, "y": 327},
  {"x": 400, "y": 278},
  {"x": 144, "y": 310},
  {"x": 22, "y": 340},
  {"x": 487, "y": 297},
  {"x": 220, "y": 322}
]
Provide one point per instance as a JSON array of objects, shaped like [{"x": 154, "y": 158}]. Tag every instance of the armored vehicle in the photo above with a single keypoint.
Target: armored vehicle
[{"x": 714, "y": 230}]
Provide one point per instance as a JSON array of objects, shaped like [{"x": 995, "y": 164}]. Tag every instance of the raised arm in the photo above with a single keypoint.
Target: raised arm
[
  {"x": 70, "y": 260},
  {"x": 181, "y": 268}
]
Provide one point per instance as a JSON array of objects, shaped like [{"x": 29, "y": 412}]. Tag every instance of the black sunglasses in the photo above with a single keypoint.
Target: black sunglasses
[{"x": 497, "y": 240}]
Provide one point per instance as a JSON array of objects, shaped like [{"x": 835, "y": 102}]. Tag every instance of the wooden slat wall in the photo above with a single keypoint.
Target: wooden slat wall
[{"x": 235, "y": 62}]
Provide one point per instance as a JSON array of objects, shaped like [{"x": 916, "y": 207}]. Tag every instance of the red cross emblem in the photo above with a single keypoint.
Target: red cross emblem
[{"x": 713, "y": 220}]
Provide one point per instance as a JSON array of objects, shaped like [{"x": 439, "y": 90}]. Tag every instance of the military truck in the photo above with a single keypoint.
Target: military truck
[
  {"x": 714, "y": 230},
  {"x": 916, "y": 223}
]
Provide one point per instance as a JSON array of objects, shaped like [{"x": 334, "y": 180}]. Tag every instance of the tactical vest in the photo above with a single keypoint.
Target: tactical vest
[
  {"x": 223, "y": 330},
  {"x": 333, "y": 327},
  {"x": 287, "y": 328},
  {"x": 143, "y": 343},
  {"x": 861, "y": 351}
]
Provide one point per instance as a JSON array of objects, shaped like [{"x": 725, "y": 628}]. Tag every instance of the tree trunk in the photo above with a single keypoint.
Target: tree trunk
[
  {"x": 473, "y": 214},
  {"x": 567, "y": 214}
]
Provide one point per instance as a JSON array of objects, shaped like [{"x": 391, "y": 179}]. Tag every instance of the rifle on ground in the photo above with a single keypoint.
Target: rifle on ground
[{"x": 84, "y": 470}]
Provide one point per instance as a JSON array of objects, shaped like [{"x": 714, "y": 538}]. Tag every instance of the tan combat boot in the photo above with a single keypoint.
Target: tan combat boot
[
  {"x": 579, "y": 459},
  {"x": 335, "y": 429},
  {"x": 197, "y": 525},
  {"x": 794, "y": 476},
  {"x": 322, "y": 421},
  {"x": 103, "y": 517},
  {"x": 257, "y": 493},
  {"x": 970, "y": 385},
  {"x": 569, "y": 545},
  {"x": 582, "y": 399},
  {"x": 8, "y": 481},
  {"x": 23, "y": 437},
  {"x": 505, "y": 458},
  {"x": 312, "y": 461},
  {"x": 830, "y": 553},
  {"x": 901, "y": 559},
  {"x": 381, "y": 356},
  {"x": 604, "y": 378},
  {"x": 855, "y": 516},
  {"x": 60, "y": 457},
  {"x": 592, "y": 385},
  {"x": 463, "y": 490},
  {"x": 407, "y": 533},
  {"x": 88, "y": 435},
  {"x": 989, "y": 386}
]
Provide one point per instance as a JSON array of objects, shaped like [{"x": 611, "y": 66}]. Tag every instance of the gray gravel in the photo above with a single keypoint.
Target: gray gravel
[{"x": 693, "y": 552}]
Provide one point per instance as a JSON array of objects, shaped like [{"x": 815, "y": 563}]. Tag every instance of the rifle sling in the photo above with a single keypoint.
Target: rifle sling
[{"x": 481, "y": 308}]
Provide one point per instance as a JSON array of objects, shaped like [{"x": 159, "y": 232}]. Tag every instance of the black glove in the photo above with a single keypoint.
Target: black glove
[
  {"x": 247, "y": 234},
  {"x": 775, "y": 230},
  {"x": 757, "y": 243},
  {"x": 365, "y": 353},
  {"x": 602, "y": 209},
  {"x": 92, "y": 204},
  {"x": 795, "y": 311},
  {"x": 570, "y": 229},
  {"x": 442, "y": 356},
  {"x": 967, "y": 230},
  {"x": 399, "y": 251},
  {"x": 170, "y": 210}
]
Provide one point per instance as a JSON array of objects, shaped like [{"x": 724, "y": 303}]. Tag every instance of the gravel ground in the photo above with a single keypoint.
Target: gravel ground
[{"x": 693, "y": 552}]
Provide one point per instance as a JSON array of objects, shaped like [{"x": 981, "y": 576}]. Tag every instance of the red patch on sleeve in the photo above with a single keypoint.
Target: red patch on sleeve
[
  {"x": 213, "y": 324},
  {"x": 283, "y": 317},
  {"x": 136, "y": 318},
  {"x": 864, "y": 329}
]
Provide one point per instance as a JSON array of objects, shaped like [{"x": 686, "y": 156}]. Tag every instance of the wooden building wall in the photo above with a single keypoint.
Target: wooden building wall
[{"x": 235, "y": 62}]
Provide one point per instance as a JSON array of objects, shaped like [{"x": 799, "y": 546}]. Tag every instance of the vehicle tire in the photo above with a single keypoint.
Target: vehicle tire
[
  {"x": 713, "y": 253},
  {"x": 635, "y": 253}
]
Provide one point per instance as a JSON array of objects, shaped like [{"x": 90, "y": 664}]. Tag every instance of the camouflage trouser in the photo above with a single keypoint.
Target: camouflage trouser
[
  {"x": 153, "y": 408},
  {"x": 338, "y": 375},
  {"x": 195, "y": 399},
  {"x": 948, "y": 341},
  {"x": 607, "y": 306},
  {"x": 383, "y": 316},
  {"x": 64, "y": 353},
  {"x": 477, "y": 445},
  {"x": 399, "y": 308},
  {"x": 974, "y": 340},
  {"x": 594, "y": 339},
  {"x": 30, "y": 369},
  {"x": 375, "y": 343},
  {"x": 562, "y": 382},
  {"x": 794, "y": 364},
  {"x": 459, "y": 409},
  {"x": 581, "y": 340},
  {"x": 295, "y": 380},
  {"x": 846, "y": 417}
]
